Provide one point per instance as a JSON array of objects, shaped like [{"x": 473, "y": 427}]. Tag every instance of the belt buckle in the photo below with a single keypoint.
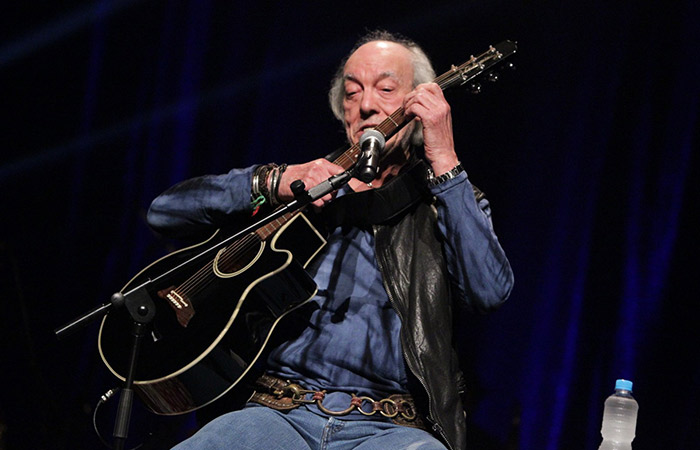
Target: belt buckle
[{"x": 296, "y": 392}]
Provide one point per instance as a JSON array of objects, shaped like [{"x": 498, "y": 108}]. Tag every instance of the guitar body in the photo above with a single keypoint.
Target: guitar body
[{"x": 182, "y": 368}]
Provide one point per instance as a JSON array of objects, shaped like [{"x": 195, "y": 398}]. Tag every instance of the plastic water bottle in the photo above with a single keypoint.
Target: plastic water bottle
[{"x": 620, "y": 418}]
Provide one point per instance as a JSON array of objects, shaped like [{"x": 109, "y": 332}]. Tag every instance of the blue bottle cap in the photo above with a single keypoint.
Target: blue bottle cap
[{"x": 625, "y": 385}]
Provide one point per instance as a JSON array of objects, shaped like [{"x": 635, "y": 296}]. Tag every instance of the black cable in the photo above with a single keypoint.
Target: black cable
[{"x": 104, "y": 398}]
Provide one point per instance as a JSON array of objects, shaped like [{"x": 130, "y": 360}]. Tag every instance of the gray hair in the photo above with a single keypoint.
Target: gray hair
[{"x": 423, "y": 72}]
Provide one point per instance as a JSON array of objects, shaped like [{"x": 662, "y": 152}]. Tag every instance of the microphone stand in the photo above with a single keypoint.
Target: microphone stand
[
  {"x": 142, "y": 310},
  {"x": 140, "y": 306}
]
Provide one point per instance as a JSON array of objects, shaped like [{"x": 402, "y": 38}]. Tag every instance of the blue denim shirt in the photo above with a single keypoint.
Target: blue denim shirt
[{"x": 352, "y": 342}]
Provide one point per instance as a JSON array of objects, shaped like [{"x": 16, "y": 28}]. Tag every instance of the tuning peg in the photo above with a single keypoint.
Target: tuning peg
[
  {"x": 511, "y": 66},
  {"x": 475, "y": 88},
  {"x": 492, "y": 77}
]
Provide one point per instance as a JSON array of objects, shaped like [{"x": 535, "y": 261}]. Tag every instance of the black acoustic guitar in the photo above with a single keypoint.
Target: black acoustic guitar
[{"x": 217, "y": 310}]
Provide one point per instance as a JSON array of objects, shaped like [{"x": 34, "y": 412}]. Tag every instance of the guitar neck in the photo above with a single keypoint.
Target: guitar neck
[{"x": 271, "y": 228}]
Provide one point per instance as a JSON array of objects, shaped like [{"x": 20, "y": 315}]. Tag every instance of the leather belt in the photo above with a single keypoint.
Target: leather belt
[{"x": 283, "y": 396}]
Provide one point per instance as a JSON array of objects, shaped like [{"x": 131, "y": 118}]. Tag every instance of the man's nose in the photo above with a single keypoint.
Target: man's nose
[{"x": 369, "y": 105}]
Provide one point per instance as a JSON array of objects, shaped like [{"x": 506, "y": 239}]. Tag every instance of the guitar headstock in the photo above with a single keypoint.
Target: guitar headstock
[{"x": 480, "y": 66}]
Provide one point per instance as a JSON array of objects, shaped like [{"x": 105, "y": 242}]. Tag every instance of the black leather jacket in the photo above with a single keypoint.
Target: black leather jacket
[
  {"x": 415, "y": 277},
  {"x": 411, "y": 258}
]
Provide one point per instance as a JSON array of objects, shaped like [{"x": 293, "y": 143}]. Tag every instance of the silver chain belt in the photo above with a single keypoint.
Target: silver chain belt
[
  {"x": 284, "y": 395},
  {"x": 387, "y": 407}
]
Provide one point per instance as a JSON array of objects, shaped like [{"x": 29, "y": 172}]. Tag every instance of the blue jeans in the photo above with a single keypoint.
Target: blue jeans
[{"x": 258, "y": 427}]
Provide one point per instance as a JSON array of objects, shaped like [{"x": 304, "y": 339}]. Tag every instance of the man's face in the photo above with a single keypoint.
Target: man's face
[{"x": 377, "y": 77}]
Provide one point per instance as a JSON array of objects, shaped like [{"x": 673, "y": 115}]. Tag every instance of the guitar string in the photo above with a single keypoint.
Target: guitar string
[
  {"x": 249, "y": 242},
  {"x": 191, "y": 285},
  {"x": 239, "y": 247},
  {"x": 204, "y": 276}
]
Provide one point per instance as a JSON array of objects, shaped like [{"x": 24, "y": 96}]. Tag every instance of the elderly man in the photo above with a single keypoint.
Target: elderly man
[{"x": 376, "y": 355}]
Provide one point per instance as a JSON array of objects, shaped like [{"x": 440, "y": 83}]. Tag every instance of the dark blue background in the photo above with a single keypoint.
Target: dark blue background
[{"x": 588, "y": 153}]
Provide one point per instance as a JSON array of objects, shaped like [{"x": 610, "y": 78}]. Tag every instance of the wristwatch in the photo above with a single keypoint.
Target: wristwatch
[{"x": 434, "y": 181}]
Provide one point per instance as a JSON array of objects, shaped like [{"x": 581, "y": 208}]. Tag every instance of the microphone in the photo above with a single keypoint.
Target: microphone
[{"x": 371, "y": 143}]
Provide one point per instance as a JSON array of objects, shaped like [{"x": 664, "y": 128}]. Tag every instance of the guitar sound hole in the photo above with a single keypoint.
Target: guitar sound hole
[{"x": 234, "y": 260}]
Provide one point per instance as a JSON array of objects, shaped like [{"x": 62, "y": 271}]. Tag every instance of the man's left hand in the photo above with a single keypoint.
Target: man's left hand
[{"x": 427, "y": 103}]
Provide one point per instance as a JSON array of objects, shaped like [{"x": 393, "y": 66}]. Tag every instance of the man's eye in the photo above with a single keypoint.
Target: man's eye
[{"x": 350, "y": 94}]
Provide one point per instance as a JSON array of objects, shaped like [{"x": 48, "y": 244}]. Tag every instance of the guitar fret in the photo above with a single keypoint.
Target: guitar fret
[{"x": 348, "y": 157}]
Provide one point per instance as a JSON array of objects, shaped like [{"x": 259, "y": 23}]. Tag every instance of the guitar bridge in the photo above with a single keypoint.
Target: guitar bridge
[{"x": 180, "y": 303}]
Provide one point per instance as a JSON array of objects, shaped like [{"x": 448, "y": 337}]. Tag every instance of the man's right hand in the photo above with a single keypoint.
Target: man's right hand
[{"x": 311, "y": 173}]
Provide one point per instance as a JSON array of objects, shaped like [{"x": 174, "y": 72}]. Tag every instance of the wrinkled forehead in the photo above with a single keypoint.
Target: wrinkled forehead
[{"x": 380, "y": 57}]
